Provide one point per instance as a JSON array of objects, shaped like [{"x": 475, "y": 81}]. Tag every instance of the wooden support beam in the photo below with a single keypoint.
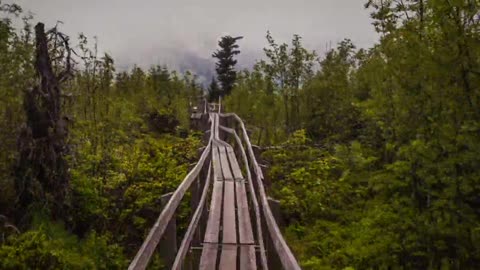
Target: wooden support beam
[
  {"x": 276, "y": 211},
  {"x": 192, "y": 228},
  {"x": 168, "y": 243}
]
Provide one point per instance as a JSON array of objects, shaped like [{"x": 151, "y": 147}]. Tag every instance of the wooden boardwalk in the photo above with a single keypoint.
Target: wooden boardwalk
[
  {"x": 229, "y": 231},
  {"x": 232, "y": 225}
]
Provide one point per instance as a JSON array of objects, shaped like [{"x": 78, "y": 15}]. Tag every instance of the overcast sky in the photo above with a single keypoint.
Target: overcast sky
[{"x": 177, "y": 32}]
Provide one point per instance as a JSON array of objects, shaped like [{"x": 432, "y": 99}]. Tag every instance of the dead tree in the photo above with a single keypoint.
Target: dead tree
[{"x": 42, "y": 176}]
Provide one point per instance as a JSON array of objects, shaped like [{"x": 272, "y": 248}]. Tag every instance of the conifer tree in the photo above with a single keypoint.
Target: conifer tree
[
  {"x": 226, "y": 63},
  {"x": 213, "y": 90}
]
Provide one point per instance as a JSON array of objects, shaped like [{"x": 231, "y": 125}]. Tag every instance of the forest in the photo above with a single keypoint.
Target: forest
[{"x": 373, "y": 153}]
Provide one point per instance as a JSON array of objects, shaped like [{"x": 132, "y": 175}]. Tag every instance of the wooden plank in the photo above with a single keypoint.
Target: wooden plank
[
  {"x": 209, "y": 253},
  {"x": 237, "y": 172},
  {"x": 227, "y": 173},
  {"x": 213, "y": 224},
  {"x": 209, "y": 257},
  {"x": 244, "y": 221},
  {"x": 283, "y": 251},
  {"x": 229, "y": 224},
  {"x": 258, "y": 223},
  {"x": 248, "y": 260},
  {"x": 228, "y": 258},
  {"x": 217, "y": 167},
  {"x": 247, "y": 253}
]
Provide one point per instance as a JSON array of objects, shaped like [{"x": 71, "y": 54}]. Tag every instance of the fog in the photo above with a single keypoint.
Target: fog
[{"x": 182, "y": 34}]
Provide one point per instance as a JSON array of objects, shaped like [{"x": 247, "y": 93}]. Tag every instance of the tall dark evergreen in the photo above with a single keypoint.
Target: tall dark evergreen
[
  {"x": 213, "y": 90},
  {"x": 226, "y": 63}
]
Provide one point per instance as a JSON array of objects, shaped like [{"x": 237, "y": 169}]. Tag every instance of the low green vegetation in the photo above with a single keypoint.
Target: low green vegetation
[
  {"x": 376, "y": 151},
  {"x": 373, "y": 153},
  {"x": 129, "y": 142}
]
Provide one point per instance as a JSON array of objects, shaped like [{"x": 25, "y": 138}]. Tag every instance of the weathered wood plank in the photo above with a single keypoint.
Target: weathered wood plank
[
  {"x": 227, "y": 172},
  {"x": 283, "y": 251},
  {"x": 258, "y": 223},
  {"x": 229, "y": 224},
  {"x": 209, "y": 256},
  {"x": 248, "y": 260},
  {"x": 228, "y": 258},
  {"x": 217, "y": 167},
  {"x": 247, "y": 253},
  {"x": 244, "y": 222},
  {"x": 237, "y": 172},
  {"x": 209, "y": 252},
  {"x": 213, "y": 224}
]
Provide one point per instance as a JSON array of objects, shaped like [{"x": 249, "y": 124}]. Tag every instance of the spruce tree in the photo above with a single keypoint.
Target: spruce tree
[
  {"x": 226, "y": 63},
  {"x": 213, "y": 90}
]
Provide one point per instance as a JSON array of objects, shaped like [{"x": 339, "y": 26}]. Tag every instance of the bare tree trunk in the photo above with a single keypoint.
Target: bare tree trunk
[{"x": 42, "y": 173}]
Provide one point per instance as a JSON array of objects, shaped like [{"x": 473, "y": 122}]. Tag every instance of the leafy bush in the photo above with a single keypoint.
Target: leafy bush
[{"x": 50, "y": 246}]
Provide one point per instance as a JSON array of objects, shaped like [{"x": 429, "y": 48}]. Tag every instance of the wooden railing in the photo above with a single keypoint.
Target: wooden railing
[
  {"x": 280, "y": 250},
  {"x": 271, "y": 248},
  {"x": 145, "y": 252}
]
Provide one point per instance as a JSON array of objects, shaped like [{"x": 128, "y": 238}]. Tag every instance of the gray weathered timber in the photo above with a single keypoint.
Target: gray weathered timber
[
  {"x": 223, "y": 237},
  {"x": 258, "y": 222},
  {"x": 182, "y": 251},
  {"x": 281, "y": 247},
  {"x": 148, "y": 247}
]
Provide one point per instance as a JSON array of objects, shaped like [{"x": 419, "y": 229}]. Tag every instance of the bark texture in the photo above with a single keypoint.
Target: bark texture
[{"x": 42, "y": 171}]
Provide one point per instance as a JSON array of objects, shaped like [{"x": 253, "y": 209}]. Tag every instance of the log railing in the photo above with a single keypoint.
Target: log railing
[
  {"x": 280, "y": 247},
  {"x": 226, "y": 130},
  {"x": 148, "y": 247}
]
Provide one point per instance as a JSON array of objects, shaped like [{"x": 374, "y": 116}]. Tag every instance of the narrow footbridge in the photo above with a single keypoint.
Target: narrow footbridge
[{"x": 232, "y": 225}]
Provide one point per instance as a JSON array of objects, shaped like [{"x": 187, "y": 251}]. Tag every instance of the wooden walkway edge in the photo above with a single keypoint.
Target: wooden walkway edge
[{"x": 231, "y": 225}]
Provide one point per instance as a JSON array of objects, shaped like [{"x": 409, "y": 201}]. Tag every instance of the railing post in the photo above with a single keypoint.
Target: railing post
[
  {"x": 273, "y": 259},
  {"x": 202, "y": 226},
  {"x": 195, "y": 193},
  {"x": 168, "y": 244},
  {"x": 257, "y": 152},
  {"x": 276, "y": 211},
  {"x": 194, "y": 257}
]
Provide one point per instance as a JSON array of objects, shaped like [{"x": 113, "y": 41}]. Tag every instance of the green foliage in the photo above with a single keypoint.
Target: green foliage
[
  {"x": 123, "y": 196},
  {"x": 128, "y": 144},
  {"x": 383, "y": 172},
  {"x": 49, "y": 246},
  {"x": 376, "y": 156},
  {"x": 265, "y": 110},
  {"x": 288, "y": 71},
  {"x": 16, "y": 74},
  {"x": 330, "y": 112}
]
